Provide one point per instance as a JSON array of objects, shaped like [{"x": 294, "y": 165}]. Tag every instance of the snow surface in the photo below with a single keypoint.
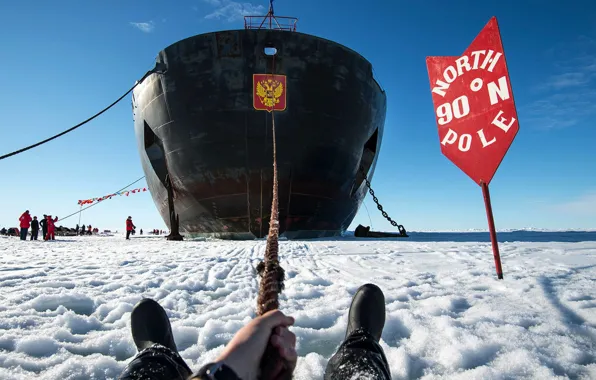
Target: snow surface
[{"x": 65, "y": 305}]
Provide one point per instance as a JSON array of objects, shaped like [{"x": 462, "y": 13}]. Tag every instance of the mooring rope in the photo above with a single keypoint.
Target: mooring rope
[
  {"x": 154, "y": 70},
  {"x": 272, "y": 276},
  {"x": 271, "y": 273}
]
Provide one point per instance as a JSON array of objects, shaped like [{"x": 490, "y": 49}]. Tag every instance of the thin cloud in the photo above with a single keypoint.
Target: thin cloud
[
  {"x": 231, "y": 11},
  {"x": 568, "y": 96},
  {"x": 561, "y": 109},
  {"x": 146, "y": 27},
  {"x": 571, "y": 79},
  {"x": 582, "y": 205}
]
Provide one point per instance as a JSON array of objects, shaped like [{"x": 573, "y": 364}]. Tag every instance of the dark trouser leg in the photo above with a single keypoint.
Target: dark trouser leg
[
  {"x": 358, "y": 357},
  {"x": 156, "y": 363},
  {"x": 128, "y": 234},
  {"x": 45, "y": 233},
  {"x": 34, "y": 234},
  {"x": 24, "y": 233}
]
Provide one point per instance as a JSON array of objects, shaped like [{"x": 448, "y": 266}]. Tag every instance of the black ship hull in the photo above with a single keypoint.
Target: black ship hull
[{"x": 196, "y": 124}]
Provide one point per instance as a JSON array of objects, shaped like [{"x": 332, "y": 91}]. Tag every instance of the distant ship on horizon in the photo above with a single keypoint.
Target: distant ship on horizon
[{"x": 198, "y": 131}]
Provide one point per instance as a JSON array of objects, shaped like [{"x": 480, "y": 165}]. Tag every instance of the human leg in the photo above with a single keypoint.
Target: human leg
[
  {"x": 360, "y": 356},
  {"x": 158, "y": 356},
  {"x": 156, "y": 363},
  {"x": 24, "y": 233}
]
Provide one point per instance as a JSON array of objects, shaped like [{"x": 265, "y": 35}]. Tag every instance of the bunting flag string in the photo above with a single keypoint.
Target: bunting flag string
[{"x": 126, "y": 193}]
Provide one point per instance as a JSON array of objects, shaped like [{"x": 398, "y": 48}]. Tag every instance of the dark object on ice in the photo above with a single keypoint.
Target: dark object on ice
[
  {"x": 365, "y": 232},
  {"x": 65, "y": 231},
  {"x": 10, "y": 231},
  {"x": 174, "y": 218},
  {"x": 195, "y": 123}
]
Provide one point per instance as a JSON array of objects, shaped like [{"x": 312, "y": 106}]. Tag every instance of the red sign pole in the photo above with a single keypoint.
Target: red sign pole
[
  {"x": 475, "y": 112},
  {"x": 492, "y": 230}
]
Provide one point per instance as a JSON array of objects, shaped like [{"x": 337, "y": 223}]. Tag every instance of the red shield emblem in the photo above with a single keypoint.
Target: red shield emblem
[{"x": 269, "y": 92}]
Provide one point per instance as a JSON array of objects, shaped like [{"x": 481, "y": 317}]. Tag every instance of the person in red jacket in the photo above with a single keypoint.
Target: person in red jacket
[
  {"x": 51, "y": 228},
  {"x": 25, "y": 220},
  {"x": 129, "y": 227}
]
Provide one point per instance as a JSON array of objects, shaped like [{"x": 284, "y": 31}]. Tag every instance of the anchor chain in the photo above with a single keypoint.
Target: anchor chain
[{"x": 402, "y": 230}]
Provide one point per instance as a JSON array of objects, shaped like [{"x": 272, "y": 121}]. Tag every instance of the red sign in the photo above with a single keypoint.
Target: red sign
[
  {"x": 474, "y": 105},
  {"x": 269, "y": 92}
]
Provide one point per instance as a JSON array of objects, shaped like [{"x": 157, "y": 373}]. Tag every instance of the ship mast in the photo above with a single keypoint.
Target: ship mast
[{"x": 271, "y": 21}]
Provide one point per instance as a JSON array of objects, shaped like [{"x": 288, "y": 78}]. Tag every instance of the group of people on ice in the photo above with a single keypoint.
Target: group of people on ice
[
  {"x": 131, "y": 229},
  {"x": 48, "y": 228},
  {"x": 47, "y": 224},
  {"x": 85, "y": 230}
]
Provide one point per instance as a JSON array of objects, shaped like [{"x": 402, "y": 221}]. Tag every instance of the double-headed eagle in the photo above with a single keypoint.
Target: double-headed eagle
[{"x": 269, "y": 91}]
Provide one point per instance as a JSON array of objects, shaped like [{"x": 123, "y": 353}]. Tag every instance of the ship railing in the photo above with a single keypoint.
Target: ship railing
[{"x": 287, "y": 24}]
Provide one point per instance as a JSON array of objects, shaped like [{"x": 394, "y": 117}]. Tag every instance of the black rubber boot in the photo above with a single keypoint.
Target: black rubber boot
[
  {"x": 367, "y": 311},
  {"x": 150, "y": 324}
]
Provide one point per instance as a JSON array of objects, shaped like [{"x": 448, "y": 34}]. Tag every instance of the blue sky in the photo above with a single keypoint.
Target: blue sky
[{"x": 62, "y": 61}]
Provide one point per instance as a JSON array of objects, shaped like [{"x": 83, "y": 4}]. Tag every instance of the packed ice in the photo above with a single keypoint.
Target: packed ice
[{"x": 65, "y": 305}]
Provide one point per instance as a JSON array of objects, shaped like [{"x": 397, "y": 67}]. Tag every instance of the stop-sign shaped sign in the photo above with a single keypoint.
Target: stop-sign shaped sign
[{"x": 474, "y": 105}]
